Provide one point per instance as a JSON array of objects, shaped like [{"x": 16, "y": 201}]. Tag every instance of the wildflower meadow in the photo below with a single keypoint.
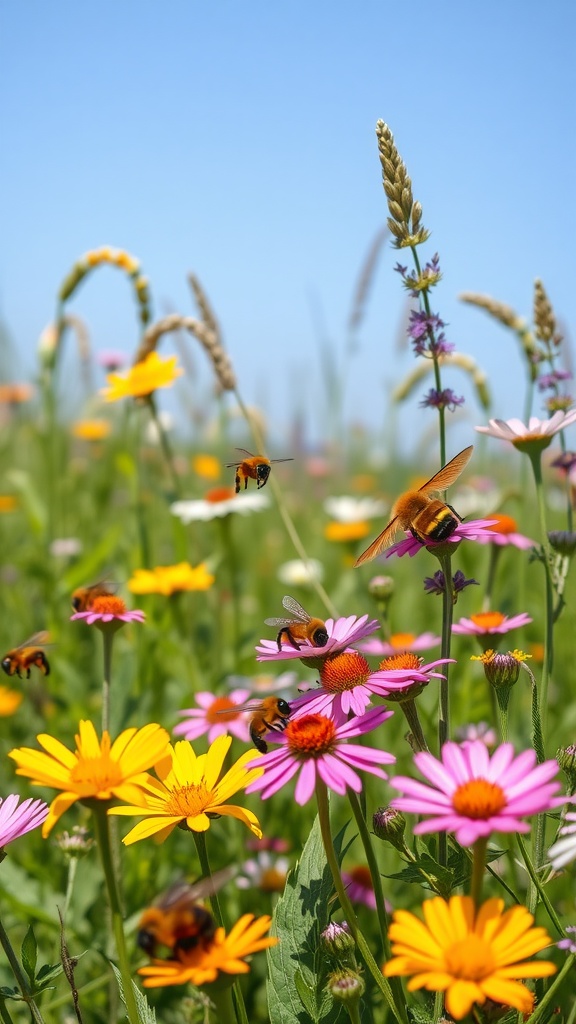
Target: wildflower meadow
[{"x": 287, "y": 735}]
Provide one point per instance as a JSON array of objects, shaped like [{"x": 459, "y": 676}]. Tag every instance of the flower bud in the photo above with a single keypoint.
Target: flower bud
[
  {"x": 381, "y": 588},
  {"x": 76, "y": 843},
  {"x": 563, "y": 541},
  {"x": 389, "y": 825},
  {"x": 566, "y": 757},
  {"x": 336, "y": 939},
  {"x": 346, "y": 986}
]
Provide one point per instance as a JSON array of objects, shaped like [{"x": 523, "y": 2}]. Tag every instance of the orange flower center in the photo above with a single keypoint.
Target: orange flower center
[
  {"x": 217, "y": 494},
  {"x": 402, "y": 641},
  {"x": 187, "y": 801},
  {"x": 216, "y": 711},
  {"x": 100, "y": 774},
  {"x": 479, "y": 799},
  {"x": 503, "y": 524},
  {"x": 108, "y": 604},
  {"x": 399, "y": 661},
  {"x": 272, "y": 880},
  {"x": 344, "y": 671},
  {"x": 311, "y": 736},
  {"x": 487, "y": 620},
  {"x": 471, "y": 959}
]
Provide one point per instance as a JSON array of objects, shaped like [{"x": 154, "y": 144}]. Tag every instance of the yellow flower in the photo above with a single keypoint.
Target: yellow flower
[
  {"x": 91, "y": 430},
  {"x": 97, "y": 770},
  {"x": 187, "y": 791},
  {"x": 224, "y": 953},
  {"x": 470, "y": 954},
  {"x": 8, "y": 502},
  {"x": 143, "y": 378},
  {"x": 171, "y": 579},
  {"x": 342, "y": 532},
  {"x": 10, "y": 701},
  {"x": 206, "y": 466}
]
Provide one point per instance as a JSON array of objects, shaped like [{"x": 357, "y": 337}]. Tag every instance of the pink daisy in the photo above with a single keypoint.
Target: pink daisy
[
  {"x": 400, "y": 642},
  {"x": 216, "y": 716},
  {"x": 490, "y": 622},
  {"x": 16, "y": 819},
  {"x": 474, "y": 794},
  {"x": 108, "y": 611},
  {"x": 318, "y": 747},
  {"x": 341, "y": 634},
  {"x": 504, "y": 531},
  {"x": 472, "y": 530},
  {"x": 359, "y": 886},
  {"x": 538, "y": 432},
  {"x": 347, "y": 683}
]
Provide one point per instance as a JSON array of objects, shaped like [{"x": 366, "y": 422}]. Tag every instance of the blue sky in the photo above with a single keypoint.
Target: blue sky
[{"x": 237, "y": 140}]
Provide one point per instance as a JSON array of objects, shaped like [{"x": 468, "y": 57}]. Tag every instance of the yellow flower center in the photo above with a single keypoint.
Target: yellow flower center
[
  {"x": 100, "y": 773},
  {"x": 487, "y": 620},
  {"x": 479, "y": 799},
  {"x": 108, "y": 604},
  {"x": 220, "y": 494},
  {"x": 216, "y": 711},
  {"x": 188, "y": 800},
  {"x": 311, "y": 736},
  {"x": 470, "y": 959},
  {"x": 272, "y": 880},
  {"x": 402, "y": 641},
  {"x": 503, "y": 524},
  {"x": 344, "y": 671},
  {"x": 402, "y": 661},
  {"x": 342, "y": 532}
]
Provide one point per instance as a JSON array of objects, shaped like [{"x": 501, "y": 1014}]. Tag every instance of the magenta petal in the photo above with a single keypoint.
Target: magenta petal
[{"x": 306, "y": 782}]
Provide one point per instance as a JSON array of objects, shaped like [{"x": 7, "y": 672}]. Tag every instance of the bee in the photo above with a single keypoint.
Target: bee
[
  {"x": 83, "y": 597},
  {"x": 303, "y": 627},
  {"x": 177, "y": 920},
  {"x": 20, "y": 660},
  {"x": 268, "y": 715},
  {"x": 428, "y": 519},
  {"x": 253, "y": 467}
]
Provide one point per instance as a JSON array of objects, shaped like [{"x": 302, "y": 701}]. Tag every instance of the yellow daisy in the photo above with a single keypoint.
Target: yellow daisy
[
  {"x": 91, "y": 430},
  {"x": 97, "y": 769},
  {"x": 171, "y": 579},
  {"x": 342, "y": 533},
  {"x": 224, "y": 953},
  {"x": 206, "y": 466},
  {"x": 470, "y": 954},
  {"x": 143, "y": 378},
  {"x": 10, "y": 701},
  {"x": 188, "y": 791}
]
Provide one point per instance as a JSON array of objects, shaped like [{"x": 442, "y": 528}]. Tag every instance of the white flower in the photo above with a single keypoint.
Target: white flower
[
  {"x": 354, "y": 510},
  {"x": 516, "y": 431},
  {"x": 564, "y": 850},
  {"x": 217, "y": 507},
  {"x": 299, "y": 573}
]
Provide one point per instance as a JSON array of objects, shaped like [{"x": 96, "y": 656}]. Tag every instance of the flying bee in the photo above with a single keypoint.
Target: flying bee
[
  {"x": 268, "y": 715},
  {"x": 177, "y": 920},
  {"x": 428, "y": 519},
  {"x": 302, "y": 627},
  {"x": 253, "y": 467},
  {"x": 20, "y": 660},
  {"x": 84, "y": 597}
]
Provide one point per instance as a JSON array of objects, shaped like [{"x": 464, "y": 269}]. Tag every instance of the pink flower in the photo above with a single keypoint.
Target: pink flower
[
  {"x": 359, "y": 886},
  {"x": 341, "y": 634},
  {"x": 538, "y": 433},
  {"x": 400, "y": 642},
  {"x": 504, "y": 531},
  {"x": 216, "y": 716},
  {"x": 17, "y": 819},
  {"x": 106, "y": 610},
  {"x": 474, "y": 794},
  {"x": 317, "y": 747},
  {"x": 478, "y": 731},
  {"x": 475, "y": 529},
  {"x": 490, "y": 622}
]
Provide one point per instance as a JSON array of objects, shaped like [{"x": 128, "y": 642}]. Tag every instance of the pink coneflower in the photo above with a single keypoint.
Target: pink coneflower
[
  {"x": 474, "y": 794},
  {"x": 504, "y": 531},
  {"x": 538, "y": 433},
  {"x": 359, "y": 886},
  {"x": 341, "y": 634},
  {"x": 347, "y": 683},
  {"x": 317, "y": 746},
  {"x": 483, "y": 623},
  {"x": 472, "y": 530},
  {"x": 477, "y": 731},
  {"x": 400, "y": 642},
  {"x": 108, "y": 610},
  {"x": 16, "y": 819},
  {"x": 216, "y": 716}
]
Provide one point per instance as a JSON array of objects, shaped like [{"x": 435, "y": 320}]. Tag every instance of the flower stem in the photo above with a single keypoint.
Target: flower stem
[
  {"x": 444, "y": 557},
  {"x": 478, "y": 864},
  {"x": 101, "y": 829},
  {"x": 551, "y": 993},
  {"x": 410, "y": 712},
  {"x": 20, "y": 976},
  {"x": 166, "y": 448},
  {"x": 398, "y": 1008},
  {"x": 374, "y": 872},
  {"x": 223, "y": 1002},
  {"x": 537, "y": 885},
  {"x": 535, "y": 459},
  {"x": 108, "y": 636}
]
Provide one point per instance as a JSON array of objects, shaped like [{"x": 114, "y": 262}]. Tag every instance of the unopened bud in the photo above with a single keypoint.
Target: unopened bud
[
  {"x": 76, "y": 843},
  {"x": 389, "y": 825},
  {"x": 336, "y": 938},
  {"x": 563, "y": 541},
  {"x": 346, "y": 986},
  {"x": 381, "y": 588},
  {"x": 566, "y": 757}
]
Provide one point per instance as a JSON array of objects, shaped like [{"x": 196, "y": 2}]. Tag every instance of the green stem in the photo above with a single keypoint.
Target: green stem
[
  {"x": 537, "y": 885},
  {"x": 108, "y": 636},
  {"x": 494, "y": 558},
  {"x": 4, "y": 1014},
  {"x": 410, "y": 712},
  {"x": 399, "y": 1011},
  {"x": 503, "y": 697},
  {"x": 101, "y": 829},
  {"x": 353, "y": 1012},
  {"x": 444, "y": 557},
  {"x": 374, "y": 872},
  {"x": 478, "y": 864},
  {"x": 224, "y": 1005},
  {"x": 535, "y": 459},
  {"x": 551, "y": 993},
  {"x": 20, "y": 976},
  {"x": 232, "y": 562},
  {"x": 166, "y": 449}
]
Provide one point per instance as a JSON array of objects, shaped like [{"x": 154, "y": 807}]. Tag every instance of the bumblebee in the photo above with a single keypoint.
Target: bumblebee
[
  {"x": 177, "y": 921},
  {"x": 20, "y": 660},
  {"x": 427, "y": 518},
  {"x": 84, "y": 597},
  {"x": 268, "y": 715},
  {"x": 303, "y": 627},
  {"x": 252, "y": 467}
]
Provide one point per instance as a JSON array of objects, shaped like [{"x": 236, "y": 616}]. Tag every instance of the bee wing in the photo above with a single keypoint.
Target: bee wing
[
  {"x": 449, "y": 473},
  {"x": 181, "y": 893},
  {"x": 281, "y": 460},
  {"x": 231, "y": 465},
  {"x": 279, "y": 622},
  {"x": 252, "y": 705},
  {"x": 41, "y": 639},
  {"x": 377, "y": 546},
  {"x": 291, "y": 605}
]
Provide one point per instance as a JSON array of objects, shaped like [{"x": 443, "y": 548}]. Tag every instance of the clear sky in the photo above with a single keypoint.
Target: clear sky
[{"x": 236, "y": 139}]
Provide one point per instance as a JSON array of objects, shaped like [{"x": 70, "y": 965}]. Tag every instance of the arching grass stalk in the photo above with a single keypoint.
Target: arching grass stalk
[
  {"x": 398, "y": 1009},
  {"x": 102, "y": 831}
]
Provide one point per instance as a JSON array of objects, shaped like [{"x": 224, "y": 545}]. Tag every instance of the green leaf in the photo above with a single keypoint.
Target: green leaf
[
  {"x": 46, "y": 974},
  {"x": 146, "y": 1014},
  {"x": 30, "y": 953},
  {"x": 297, "y": 967}
]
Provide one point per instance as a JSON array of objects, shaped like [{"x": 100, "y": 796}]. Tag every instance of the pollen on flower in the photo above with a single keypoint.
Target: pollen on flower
[
  {"x": 344, "y": 671},
  {"x": 479, "y": 799},
  {"x": 404, "y": 660},
  {"x": 98, "y": 774},
  {"x": 108, "y": 604},
  {"x": 487, "y": 620},
  {"x": 470, "y": 958},
  {"x": 218, "y": 711},
  {"x": 311, "y": 735},
  {"x": 217, "y": 494},
  {"x": 189, "y": 800}
]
